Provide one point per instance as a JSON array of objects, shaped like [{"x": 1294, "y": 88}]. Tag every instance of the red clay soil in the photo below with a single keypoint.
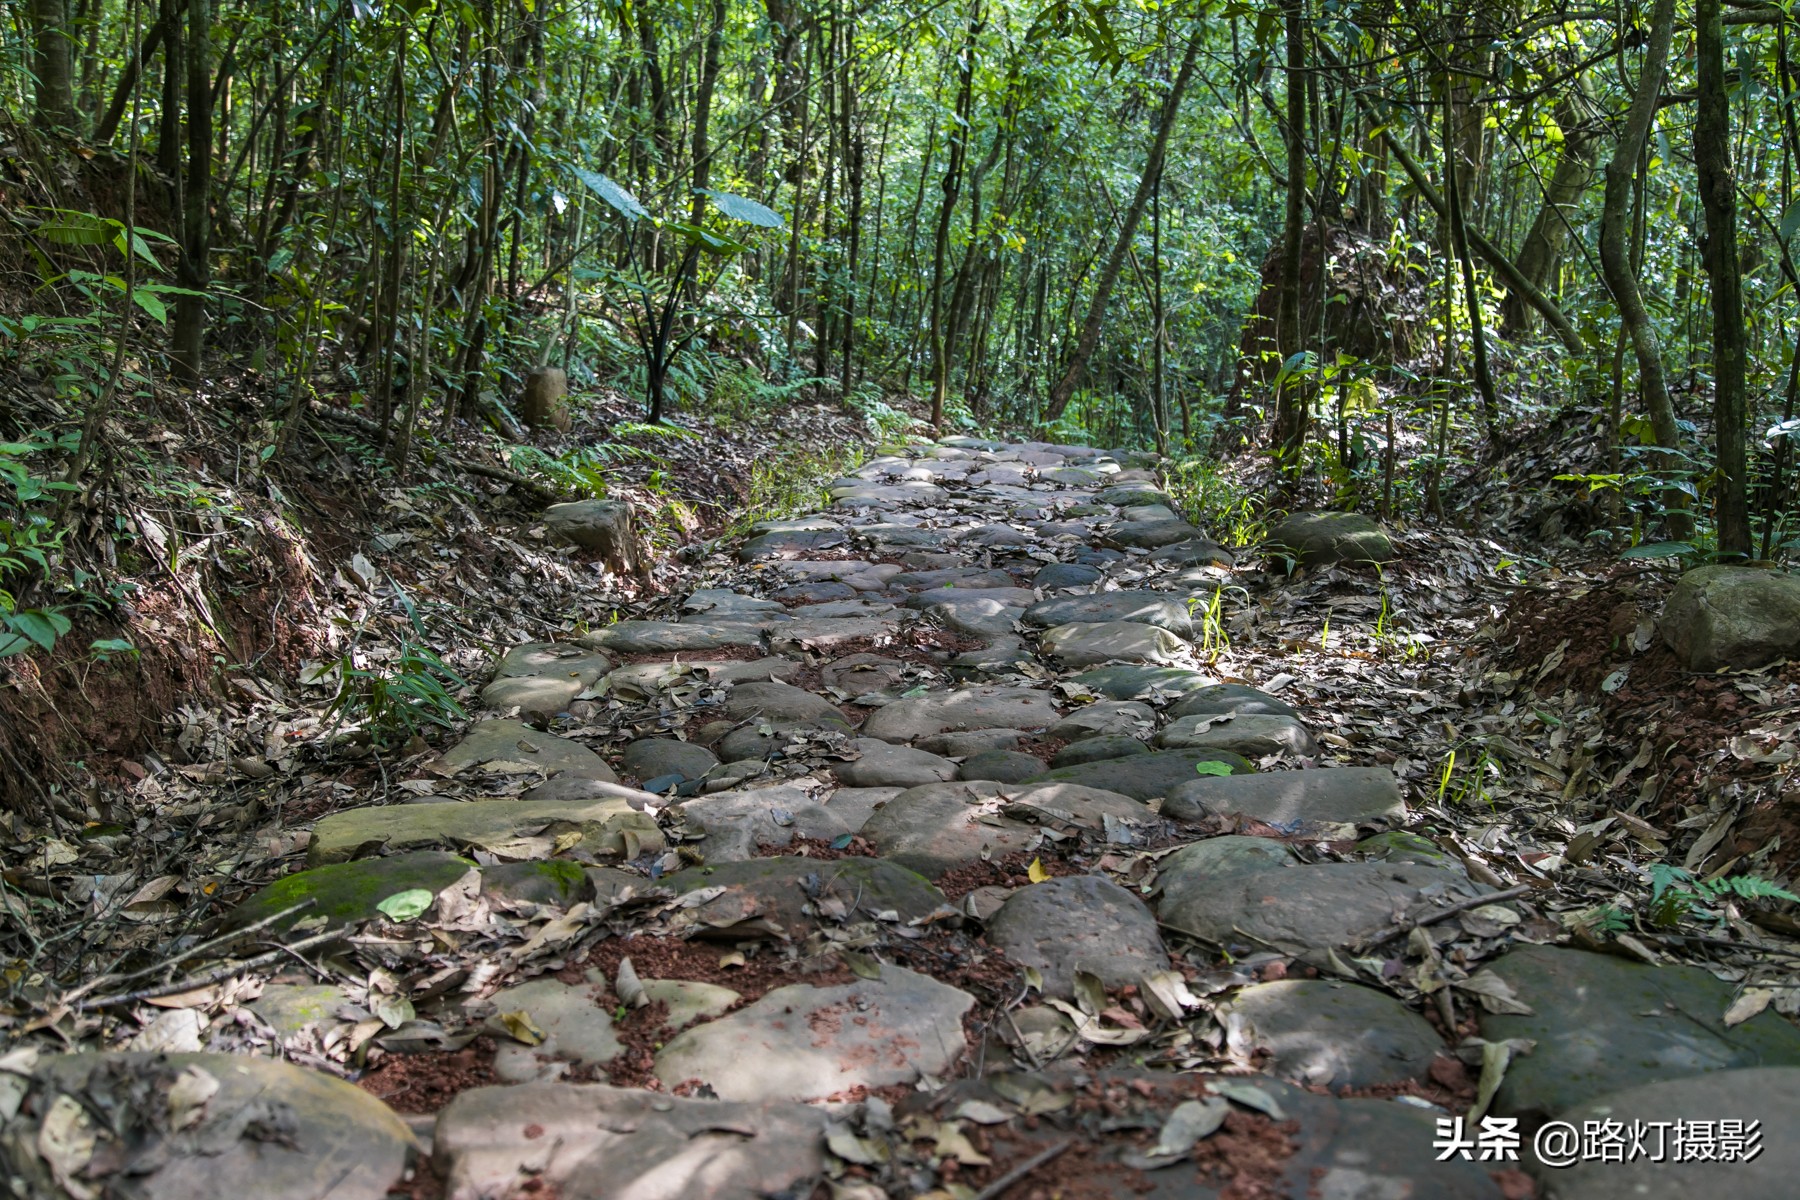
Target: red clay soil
[
  {"x": 763, "y": 968},
  {"x": 1008, "y": 871},
  {"x": 1689, "y": 717},
  {"x": 424, "y": 1083}
]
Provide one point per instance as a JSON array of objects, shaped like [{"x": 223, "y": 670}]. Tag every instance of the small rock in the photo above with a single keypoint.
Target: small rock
[
  {"x": 577, "y": 1030},
  {"x": 599, "y": 525},
  {"x": 513, "y": 748},
  {"x": 1002, "y": 766},
  {"x": 544, "y": 404}
]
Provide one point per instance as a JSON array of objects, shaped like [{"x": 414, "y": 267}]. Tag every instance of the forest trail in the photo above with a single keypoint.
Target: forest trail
[{"x": 935, "y": 862}]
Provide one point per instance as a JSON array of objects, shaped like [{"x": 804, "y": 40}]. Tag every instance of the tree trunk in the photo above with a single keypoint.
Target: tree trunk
[
  {"x": 959, "y": 145},
  {"x": 1291, "y": 401},
  {"x": 1541, "y": 251},
  {"x": 53, "y": 62},
  {"x": 1615, "y": 260},
  {"x": 1719, "y": 251},
  {"x": 1064, "y": 391},
  {"x": 192, "y": 271}
]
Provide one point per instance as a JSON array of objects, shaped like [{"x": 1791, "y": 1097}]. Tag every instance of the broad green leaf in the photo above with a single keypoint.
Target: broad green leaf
[
  {"x": 612, "y": 193},
  {"x": 742, "y": 208},
  {"x": 407, "y": 905},
  {"x": 1212, "y": 768},
  {"x": 1658, "y": 550}
]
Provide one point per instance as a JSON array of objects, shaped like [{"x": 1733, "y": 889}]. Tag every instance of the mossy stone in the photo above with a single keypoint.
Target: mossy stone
[
  {"x": 547, "y": 881},
  {"x": 346, "y": 893}
]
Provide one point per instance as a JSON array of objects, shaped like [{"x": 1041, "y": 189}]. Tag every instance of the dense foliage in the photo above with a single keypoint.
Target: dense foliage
[{"x": 1370, "y": 236}]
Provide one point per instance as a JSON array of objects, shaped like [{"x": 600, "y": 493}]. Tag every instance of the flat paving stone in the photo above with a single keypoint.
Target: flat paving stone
[
  {"x": 1079, "y": 922},
  {"x": 806, "y": 1043},
  {"x": 510, "y": 747},
  {"x": 649, "y": 758},
  {"x": 1329, "y": 1034},
  {"x": 1230, "y": 698},
  {"x": 593, "y": 1142},
  {"x": 1304, "y": 911},
  {"x": 1106, "y": 718},
  {"x": 1768, "y": 1095},
  {"x": 738, "y": 824},
  {"x": 798, "y": 893},
  {"x": 1001, "y": 766},
  {"x": 1131, "y": 681},
  {"x": 1161, "y": 609},
  {"x": 883, "y": 764},
  {"x": 263, "y": 1129},
  {"x": 1057, "y": 576},
  {"x": 792, "y": 543},
  {"x": 960, "y": 711},
  {"x": 778, "y": 702},
  {"x": 1250, "y": 734},
  {"x": 941, "y": 826},
  {"x": 1098, "y": 749},
  {"x": 1089, "y": 643},
  {"x": 1296, "y": 799},
  {"x": 347, "y": 893},
  {"x": 514, "y": 829},
  {"x": 1320, "y": 538},
  {"x": 1604, "y": 1024},
  {"x": 1152, "y": 535},
  {"x": 973, "y": 741},
  {"x": 1146, "y": 776},
  {"x": 649, "y": 637}
]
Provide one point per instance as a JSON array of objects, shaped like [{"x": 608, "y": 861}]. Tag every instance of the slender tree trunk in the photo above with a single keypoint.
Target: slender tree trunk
[
  {"x": 1453, "y": 195},
  {"x": 1615, "y": 252},
  {"x": 959, "y": 145},
  {"x": 1064, "y": 391},
  {"x": 1541, "y": 250},
  {"x": 1719, "y": 250},
  {"x": 192, "y": 270},
  {"x": 1292, "y": 401}
]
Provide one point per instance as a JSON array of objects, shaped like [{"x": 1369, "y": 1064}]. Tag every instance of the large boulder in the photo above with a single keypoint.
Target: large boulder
[
  {"x": 600, "y": 525},
  {"x": 1732, "y": 617},
  {"x": 1314, "y": 539}
]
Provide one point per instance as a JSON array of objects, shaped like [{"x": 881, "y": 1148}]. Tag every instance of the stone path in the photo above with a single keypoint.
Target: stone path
[{"x": 920, "y": 855}]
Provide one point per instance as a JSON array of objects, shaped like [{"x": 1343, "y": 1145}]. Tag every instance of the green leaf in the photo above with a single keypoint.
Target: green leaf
[
  {"x": 612, "y": 193},
  {"x": 408, "y": 905},
  {"x": 1659, "y": 550},
  {"x": 76, "y": 229},
  {"x": 40, "y": 626},
  {"x": 706, "y": 239},
  {"x": 151, "y": 305},
  {"x": 105, "y": 646},
  {"x": 1212, "y": 768},
  {"x": 742, "y": 208}
]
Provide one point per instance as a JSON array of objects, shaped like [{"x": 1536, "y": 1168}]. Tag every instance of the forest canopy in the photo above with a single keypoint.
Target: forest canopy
[{"x": 1368, "y": 237}]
